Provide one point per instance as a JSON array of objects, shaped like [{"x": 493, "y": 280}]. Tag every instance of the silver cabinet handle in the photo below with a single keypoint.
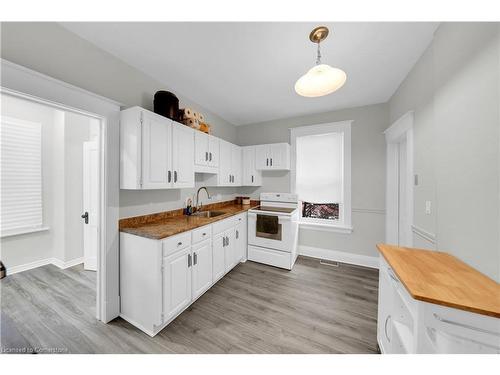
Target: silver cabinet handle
[
  {"x": 189, "y": 260},
  {"x": 223, "y": 241},
  {"x": 179, "y": 243},
  {"x": 271, "y": 162},
  {"x": 169, "y": 176},
  {"x": 175, "y": 176},
  {"x": 385, "y": 328},
  {"x": 237, "y": 234},
  {"x": 227, "y": 241},
  {"x": 206, "y": 155},
  {"x": 210, "y": 156},
  {"x": 195, "y": 259},
  {"x": 252, "y": 178},
  {"x": 267, "y": 162}
]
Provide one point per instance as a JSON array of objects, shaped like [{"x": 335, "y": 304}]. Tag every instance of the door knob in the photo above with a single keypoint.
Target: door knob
[{"x": 86, "y": 217}]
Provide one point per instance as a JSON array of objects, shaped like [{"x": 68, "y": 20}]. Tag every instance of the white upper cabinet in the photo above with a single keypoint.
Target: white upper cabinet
[
  {"x": 206, "y": 153},
  {"x": 250, "y": 175},
  {"x": 236, "y": 165},
  {"x": 229, "y": 165},
  {"x": 156, "y": 158},
  {"x": 155, "y": 152},
  {"x": 213, "y": 151},
  {"x": 275, "y": 156},
  {"x": 182, "y": 156}
]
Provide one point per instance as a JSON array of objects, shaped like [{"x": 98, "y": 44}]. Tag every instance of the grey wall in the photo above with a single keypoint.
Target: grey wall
[
  {"x": 454, "y": 91},
  {"x": 368, "y": 174},
  {"x": 53, "y": 50}
]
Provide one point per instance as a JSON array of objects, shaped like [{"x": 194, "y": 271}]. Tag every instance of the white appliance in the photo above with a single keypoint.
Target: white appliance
[{"x": 273, "y": 230}]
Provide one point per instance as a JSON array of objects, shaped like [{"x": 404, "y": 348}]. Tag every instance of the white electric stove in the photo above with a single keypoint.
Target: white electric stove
[{"x": 273, "y": 230}]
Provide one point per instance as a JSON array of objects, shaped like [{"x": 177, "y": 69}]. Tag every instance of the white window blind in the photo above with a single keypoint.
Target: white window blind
[
  {"x": 319, "y": 168},
  {"x": 21, "y": 175}
]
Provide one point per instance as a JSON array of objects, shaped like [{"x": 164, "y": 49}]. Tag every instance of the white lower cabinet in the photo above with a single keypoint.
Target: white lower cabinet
[
  {"x": 202, "y": 268},
  {"x": 406, "y": 325},
  {"x": 218, "y": 245},
  {"x": 177, "y": 280},
  {"x": 160, "y": 278}
]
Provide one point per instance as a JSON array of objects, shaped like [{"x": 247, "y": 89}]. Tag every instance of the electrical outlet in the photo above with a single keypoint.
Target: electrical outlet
[{"x": 428, "y": 207}]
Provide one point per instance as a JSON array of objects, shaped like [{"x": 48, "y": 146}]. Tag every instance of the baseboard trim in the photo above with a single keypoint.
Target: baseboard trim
[
  {"x": 339, "y": 256},
  {"x": 63, "y": 265},
  {"x": 39, "y": 263},
  {"x": 27, "y": 266}
]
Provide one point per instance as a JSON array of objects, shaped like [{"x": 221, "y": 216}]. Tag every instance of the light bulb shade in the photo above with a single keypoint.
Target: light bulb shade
[{"x": 320, "y": 80}]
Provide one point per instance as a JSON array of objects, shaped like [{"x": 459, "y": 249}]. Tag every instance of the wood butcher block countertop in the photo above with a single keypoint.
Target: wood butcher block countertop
[
  {"x": 169, "y": 223},
  {"x": 443, "y": 279}
]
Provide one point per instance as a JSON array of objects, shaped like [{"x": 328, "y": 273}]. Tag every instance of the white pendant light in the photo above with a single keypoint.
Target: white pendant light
[{"x": 321, "y": 79}]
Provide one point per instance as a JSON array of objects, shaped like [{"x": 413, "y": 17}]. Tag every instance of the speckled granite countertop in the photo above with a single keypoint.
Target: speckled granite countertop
[{"x": 166, "y": 224}]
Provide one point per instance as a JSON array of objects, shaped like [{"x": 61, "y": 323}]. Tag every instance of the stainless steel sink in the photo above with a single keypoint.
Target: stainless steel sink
[{"x": 208, "y": 213}]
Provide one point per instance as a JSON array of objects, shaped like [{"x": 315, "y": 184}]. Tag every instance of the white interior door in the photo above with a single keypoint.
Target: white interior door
[
  {"x": 90, "y": 204},
  {"x": 399, "y": 182}
]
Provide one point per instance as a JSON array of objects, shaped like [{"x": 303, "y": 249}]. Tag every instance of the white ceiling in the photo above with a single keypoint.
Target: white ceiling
[{"x": 245, "y": 72}]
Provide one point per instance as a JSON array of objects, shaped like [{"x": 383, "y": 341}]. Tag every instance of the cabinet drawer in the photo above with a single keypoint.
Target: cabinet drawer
[
  {"x": 272, "y": 257},
  {"x": 201, "y": 234},
  {"x": 172, "y": 244}
]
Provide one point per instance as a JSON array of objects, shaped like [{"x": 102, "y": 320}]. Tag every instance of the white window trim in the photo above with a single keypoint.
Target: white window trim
[
  {"x": 345, "y": 209},
  {"x": 17, "y": 232}
]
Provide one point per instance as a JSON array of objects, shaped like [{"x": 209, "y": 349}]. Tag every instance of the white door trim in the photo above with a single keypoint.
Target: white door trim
[
  {"x": 34, "y": 86},
  {"x": 401, "y": 129}
]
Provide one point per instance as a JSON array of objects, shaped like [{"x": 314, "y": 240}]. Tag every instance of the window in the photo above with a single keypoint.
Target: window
[
  {"x": 321, "y": 174},
  {"x": 21, "y": 176}
]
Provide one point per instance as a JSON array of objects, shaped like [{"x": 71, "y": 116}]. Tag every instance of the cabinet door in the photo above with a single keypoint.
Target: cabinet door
[
  {"x": 250, "y": 175},
  {"x": 218, "y": 245},
  {"x": 236, "y": 165},
  {"x": 213, "y": 151},
  {"x": 202, "y": 268},
  {"x": 385, "y": 308},
  {"x": 240, "y": 241},
  {"x": 279, "y": 156},
  {"x": 176, "y": 283},
  {"x": 201, "y": 148},
  {"x": 225, "y": 171},
  {"x": 229, "y": 249},
  {"x": 262, "y": 157},
  {"x": 182, "y": 156},
  {"x": 156, "y": 152}
]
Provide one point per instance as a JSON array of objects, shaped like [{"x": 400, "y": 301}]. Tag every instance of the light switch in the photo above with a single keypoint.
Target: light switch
[{"x": 428, "y": 207}]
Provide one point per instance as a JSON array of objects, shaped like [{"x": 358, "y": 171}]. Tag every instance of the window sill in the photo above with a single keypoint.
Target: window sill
[
  {"x": 326, "y": 227},
  {"x": 18, "y": 232}
]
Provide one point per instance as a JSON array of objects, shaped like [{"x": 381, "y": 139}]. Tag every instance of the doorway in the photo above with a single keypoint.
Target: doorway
[
  {"x": 52, "y": 161},
  {"x": 399, "y": 183}
]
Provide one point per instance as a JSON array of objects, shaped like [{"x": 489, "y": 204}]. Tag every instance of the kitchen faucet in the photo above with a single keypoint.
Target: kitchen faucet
[{"x": 198, "y": 206}]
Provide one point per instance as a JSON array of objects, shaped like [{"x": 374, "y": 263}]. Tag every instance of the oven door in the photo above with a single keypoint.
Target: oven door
[{"x": 271, "y": 231}]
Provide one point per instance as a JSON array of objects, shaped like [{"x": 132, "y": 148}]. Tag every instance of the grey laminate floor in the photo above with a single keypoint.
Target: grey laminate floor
[{"x": 254, "y": 309}]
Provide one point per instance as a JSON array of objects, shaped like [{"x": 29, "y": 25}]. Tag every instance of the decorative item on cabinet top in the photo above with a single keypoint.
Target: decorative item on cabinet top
[{"x": 195, "y": 120}]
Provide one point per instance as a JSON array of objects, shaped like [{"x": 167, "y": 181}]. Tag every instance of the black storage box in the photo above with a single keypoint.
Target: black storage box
[{"x": 166, "y": 104}]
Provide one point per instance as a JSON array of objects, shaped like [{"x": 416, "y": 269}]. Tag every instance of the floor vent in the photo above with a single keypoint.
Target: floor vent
[{"x": 329, "y": 263}]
